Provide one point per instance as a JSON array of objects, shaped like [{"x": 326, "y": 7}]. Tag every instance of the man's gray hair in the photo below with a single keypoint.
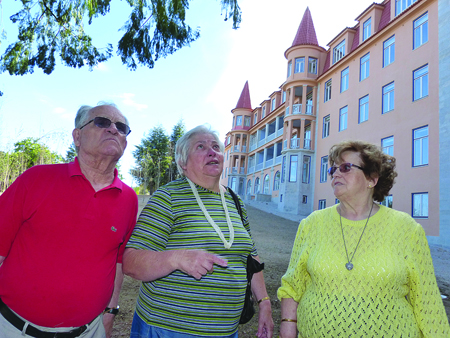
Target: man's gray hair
[
  {"x": 184, "y": 143},
  {"x": 84, "y": 114}
]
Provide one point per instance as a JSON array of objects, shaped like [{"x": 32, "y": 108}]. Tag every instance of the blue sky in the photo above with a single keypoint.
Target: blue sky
[{"x": 199, "y": 84}]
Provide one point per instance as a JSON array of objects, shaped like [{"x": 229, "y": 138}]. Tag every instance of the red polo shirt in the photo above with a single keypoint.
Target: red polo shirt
[{"x": 62, "y": 240}]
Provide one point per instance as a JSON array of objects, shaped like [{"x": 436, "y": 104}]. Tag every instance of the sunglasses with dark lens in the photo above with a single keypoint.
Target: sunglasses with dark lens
[
  {"x": 343, "y": 168},
  {"x": 103, "y": 122}
]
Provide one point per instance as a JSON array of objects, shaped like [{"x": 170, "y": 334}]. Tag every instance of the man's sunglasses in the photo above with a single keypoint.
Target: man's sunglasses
[
  {"x": 103, "y": 122},
  {"x": 343, "y": 168}
]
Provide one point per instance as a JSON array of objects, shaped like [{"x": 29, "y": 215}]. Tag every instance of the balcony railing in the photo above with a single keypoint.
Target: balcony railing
[
  {"x": 309, "y": 109},
  {"x": 280, "y": 132},
  {"x": 268, "y": 163},
  {"x": 296, "y": 109},
  {"x": 295, "y": 143},
  {"x": 307, "y": 144}
]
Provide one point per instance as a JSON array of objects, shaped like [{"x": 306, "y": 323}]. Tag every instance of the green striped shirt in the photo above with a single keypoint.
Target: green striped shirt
[{"x": 172, "y": 220}]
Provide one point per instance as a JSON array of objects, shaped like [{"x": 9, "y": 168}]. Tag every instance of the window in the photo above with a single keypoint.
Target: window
[
  {"x": 306, "y": 169},
  {"x": 326, "y": 126},
  {"x": 420, "y": 146},
  {"x": 420, "y": 82},
  {"x": 389, "y": 51},
  {"x": 255, "y": 118},
  {"x": 344, "y": 80},
  {"x": 387, "y": 145},
  {"x": 388, "y": 97},
  {"x": 257, "y": 185},
  {"x": 312, "y": 65},
  {"x": 283, "y": 100},
  {"x": 323, "y": 169},
  {"x": 367, "y": 29},
  {"x": 339, "y": 52},
  {"x": 363, "y": 109},
  {"x": 401, "y": 5},
  {"x": 249, "y": 187},
  {"x": 328, "y": 90},
  {"x": 266, "y": 188},
  {"x": 276, "y": 181},
  {"x": 247, "y": 121},
  {"x": 364, "y": 69},
  {"x": 283, "y": 169},
  {"x": 289, "y": 71},
  {"x": 343, "y": 118},
  {"x": 305, "y": 199},
  {"x": 272, "y": 107},
  {"x": 263, "y": 112},
  {"x": 387, "y": 202},
  {"x": 299, "y": 65},
  {"x": 239, "y": 121},
  {"x": 226, "y": 172},
  {"x": 336, "y": 201},
  {"x": 322, "y": 204},
  {"x": 293, "y": 168},
  {"x": 420, "y": 205},
  {"x": 420, "y": 31}
]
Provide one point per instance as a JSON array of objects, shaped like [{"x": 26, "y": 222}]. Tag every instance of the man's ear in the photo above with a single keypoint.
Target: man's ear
[{"x": 76, "y": 137}]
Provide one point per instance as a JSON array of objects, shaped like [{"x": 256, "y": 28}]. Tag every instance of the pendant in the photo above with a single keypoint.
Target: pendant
[{"x": 349, "y": 266}]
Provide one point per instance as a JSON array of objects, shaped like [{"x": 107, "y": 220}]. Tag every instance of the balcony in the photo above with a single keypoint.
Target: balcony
[
  {"x": 309, "y": 109},
  {"x": 307, "y": 144},
  {"x": 295, "y": 143},
  {"x": 296, "y": 109}
]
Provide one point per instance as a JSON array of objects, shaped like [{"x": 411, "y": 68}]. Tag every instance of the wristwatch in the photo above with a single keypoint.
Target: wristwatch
[{"x": 113, "y": 311}]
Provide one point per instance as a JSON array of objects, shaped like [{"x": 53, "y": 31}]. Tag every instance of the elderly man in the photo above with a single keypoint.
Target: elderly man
[{"x": 63, "y": 230}]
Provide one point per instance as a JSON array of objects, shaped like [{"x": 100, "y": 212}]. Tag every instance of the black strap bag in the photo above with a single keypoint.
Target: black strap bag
[{"x": 253, "y": 266}]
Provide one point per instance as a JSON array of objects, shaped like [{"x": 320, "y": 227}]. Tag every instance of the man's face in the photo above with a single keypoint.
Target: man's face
[{"x": 101, "y": 142}]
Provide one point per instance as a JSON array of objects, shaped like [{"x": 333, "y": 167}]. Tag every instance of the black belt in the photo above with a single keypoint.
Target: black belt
[{"x": 18, "y": 323}]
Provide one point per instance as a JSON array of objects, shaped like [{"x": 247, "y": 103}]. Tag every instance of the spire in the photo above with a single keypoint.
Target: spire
[
  {"x": 244, "y": 99},
  {"x": 306, "y": 34}
]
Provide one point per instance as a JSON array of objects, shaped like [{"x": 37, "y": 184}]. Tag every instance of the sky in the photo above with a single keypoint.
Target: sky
[{"x": 199, "y": 84}]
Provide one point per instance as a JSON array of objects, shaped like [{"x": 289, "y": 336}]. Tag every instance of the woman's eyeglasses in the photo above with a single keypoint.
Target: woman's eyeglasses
[
  {"x": 343, "y": 168},
  {"x": 103, "y": 122}
]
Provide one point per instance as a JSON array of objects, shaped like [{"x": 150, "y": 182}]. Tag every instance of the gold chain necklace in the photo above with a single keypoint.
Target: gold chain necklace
[
  {"x": 226, "y": 244},
  {"x": 349, "y": 264}
]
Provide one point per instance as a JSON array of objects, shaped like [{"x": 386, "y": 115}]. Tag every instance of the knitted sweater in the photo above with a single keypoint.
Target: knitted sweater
[{"x": 390, "y": 292}]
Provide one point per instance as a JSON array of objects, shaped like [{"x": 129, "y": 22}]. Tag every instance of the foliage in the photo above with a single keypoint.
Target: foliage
[
  {"x": 178, "y": 130},
  {"x": 155, "y": 29},
  {"x": 27, "y": 153},
  {"x": 71, "y": 153},
  {"x": 155, "y": 158}
]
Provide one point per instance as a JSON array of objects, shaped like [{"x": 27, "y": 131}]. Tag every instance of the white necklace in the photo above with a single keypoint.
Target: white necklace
[{"x": 226, "y": 244}]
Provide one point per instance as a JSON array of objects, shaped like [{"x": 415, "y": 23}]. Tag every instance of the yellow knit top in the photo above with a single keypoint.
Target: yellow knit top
[{"x": 390, "y": 292}]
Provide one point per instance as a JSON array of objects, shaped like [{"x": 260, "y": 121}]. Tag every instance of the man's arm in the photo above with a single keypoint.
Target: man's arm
[
  {"x": 2, "y": 258},
  {"x": 108, "y": 318}
]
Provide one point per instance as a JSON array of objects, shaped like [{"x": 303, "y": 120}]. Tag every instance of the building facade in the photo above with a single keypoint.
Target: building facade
[{"x": 378, "y": 81}]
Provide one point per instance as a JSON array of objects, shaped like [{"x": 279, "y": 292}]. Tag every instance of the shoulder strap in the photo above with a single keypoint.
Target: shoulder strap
[{"x": 236, "y": 201}]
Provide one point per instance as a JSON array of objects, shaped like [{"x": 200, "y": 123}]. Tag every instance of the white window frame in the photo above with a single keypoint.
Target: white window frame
[
  {"x": 419, "y": 205},
  {"x": 283, "y": 97},
  {"x": 276, "y": 181},
  {"x": 367, "y": 29},
  {"x": 388, "y": 98},
  {"x": 327, "y": 92},
  {"x": 387, "y": 145},
  {"x": 239, "y": 120},
  {"x": 263, "y": 112},
  {"x": 339, "y": 51},
  {"x": 344, "y": 79},
  {"x": 364, "y": 67},
  {"x": 312, "y": 65},
  {"x": 306, "y": 169},
  {"x": 249, "y": 187},
  {"x": 322, "y": 204},
  {"x": 401, "y": 5},
  {"x": 266, "y": 185},
  {"x": 293, "y": 164},
  {"x": 388, "y": 201},
  {"x": 299, "y": 65},
  {"x": 326, "y": 126},
  {"x": 420, "y": 83},
  {"x": 255, "y": 119},
  {"x": 247, "y": 121},
  {"x": 343, "y": 114},
  {"x": 363, "y": 112},
  {"x": 389, "y": 51},
  {"x": 420, "y": 146},
  {"x": 257, "y": 185},
  {"x": 420, "y": 27},
  {"x": 273, "y": 103},
  {"x": 323, "y": 169}
]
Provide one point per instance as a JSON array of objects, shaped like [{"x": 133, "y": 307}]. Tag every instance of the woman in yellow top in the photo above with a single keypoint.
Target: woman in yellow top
[{"x": 359, "y": 269}]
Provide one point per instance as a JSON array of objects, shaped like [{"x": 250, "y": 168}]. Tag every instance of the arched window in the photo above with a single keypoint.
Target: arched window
[
  {"x": 276, "y": 181},
  {"x": 257, "y": 185},
  {"x": 249, "y": 187},
  {"x": 266, "y": 189}
]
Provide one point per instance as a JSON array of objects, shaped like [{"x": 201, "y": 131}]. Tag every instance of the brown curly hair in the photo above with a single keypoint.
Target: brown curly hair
[{"x": 374, "y": 161}]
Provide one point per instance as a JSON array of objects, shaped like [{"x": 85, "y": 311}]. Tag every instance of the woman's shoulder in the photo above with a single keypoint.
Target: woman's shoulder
[{"x": 400, "y": 219}]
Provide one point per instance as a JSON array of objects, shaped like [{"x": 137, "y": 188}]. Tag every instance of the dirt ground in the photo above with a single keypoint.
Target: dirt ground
[{"x": 274, "y": 245}]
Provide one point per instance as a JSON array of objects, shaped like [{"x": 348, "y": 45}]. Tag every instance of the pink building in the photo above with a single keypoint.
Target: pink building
[{"x": 377, "y": 81}]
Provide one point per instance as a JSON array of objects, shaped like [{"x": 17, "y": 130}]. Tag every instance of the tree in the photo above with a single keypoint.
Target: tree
[
  {"x": 71, "y": 153},
  {"x": 152, "y": 160},
  {"x": 155, "y": 29},
  {"x": 178, "y": 130}
]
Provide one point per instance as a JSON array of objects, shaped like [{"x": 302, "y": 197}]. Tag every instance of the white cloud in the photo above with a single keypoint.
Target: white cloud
[
  {"x": 59, "y": 110},
  {"x": 128, "y": 99}
]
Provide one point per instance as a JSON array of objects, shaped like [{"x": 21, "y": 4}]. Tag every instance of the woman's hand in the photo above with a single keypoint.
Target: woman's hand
[
  {"x": 196, "y": 263},
  {"x": 265, "y": 321}
]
